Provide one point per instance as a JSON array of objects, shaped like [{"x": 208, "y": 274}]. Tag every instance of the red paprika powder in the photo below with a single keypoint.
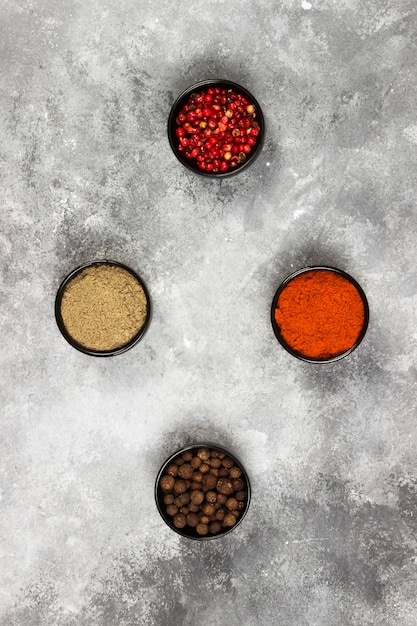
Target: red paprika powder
[{"x": 320, "y": 314}]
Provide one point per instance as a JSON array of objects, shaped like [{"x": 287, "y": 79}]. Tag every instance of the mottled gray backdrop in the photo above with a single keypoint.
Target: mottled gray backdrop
[{"x": 87, "y": 173}]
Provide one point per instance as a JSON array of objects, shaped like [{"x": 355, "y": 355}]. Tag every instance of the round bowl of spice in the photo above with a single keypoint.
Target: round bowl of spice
[
  {"x": 202, "y": 492},
  {"x": 102, "y": 308},
  {"x": 216, "y": 128},
  {"x": 320, "y": 314}
]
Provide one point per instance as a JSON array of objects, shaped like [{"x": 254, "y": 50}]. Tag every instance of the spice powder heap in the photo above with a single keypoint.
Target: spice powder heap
[
  {"x": 320, "y": 314},
  {"x": 103, "y": 307}
]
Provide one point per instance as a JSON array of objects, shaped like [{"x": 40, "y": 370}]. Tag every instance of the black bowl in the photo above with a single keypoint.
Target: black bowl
[
  {"x": 188, "y": 531},
  {"x": 277, "y": 329},
  {"x": 181, "y": 101},
  {"x": 71, "y": 340}
]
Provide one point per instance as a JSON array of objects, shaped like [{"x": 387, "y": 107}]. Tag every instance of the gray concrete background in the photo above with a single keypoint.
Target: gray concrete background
[{"x": 86, "y": 173}]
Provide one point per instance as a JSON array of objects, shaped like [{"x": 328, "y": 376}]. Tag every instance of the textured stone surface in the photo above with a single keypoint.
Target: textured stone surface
[{"x": 86, "y": 173}]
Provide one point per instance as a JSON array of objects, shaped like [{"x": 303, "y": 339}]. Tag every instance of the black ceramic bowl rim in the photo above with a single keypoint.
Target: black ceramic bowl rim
[
  {"x": 277, "y": 330},
  {"x": 172, "y": 125},
  {"x": 159, "y": 494},
  {"x": 61, "y": 324}
]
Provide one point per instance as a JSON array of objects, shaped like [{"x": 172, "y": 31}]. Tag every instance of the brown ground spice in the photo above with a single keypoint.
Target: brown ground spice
[{"x": 103, "y": 307}]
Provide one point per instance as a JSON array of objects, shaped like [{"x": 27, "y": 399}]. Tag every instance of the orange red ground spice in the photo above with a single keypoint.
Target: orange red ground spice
[{"x": 320, "y": 314}]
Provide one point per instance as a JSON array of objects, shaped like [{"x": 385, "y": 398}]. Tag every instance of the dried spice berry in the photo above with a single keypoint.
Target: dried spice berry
[
  {"x": 197, "y": 499},
  {"x": 180, "y": 486},
  {"x": 203, "y": 454},
  {"x": 229, "y": 520},
  {"x": 180, "y": 520},
  {"x": 225, "y": 486},
  {"x": 215, "y": 527},
  {"x": 192, "y": 520},
  {"x": 186, "y": 471},
  {"x": 167, "y": 483},
  {"x": 216, "y": 129},
  {"x": 172, "y": 509},
  {"x": 202, "y": 529},
  {"x": 232, "y": 504},
  {"x": 196, "y": 462},
  {"x": 209, "y": 482},
  {"x": 211, "y": 496},
  {"x": 172, "y": 470}
]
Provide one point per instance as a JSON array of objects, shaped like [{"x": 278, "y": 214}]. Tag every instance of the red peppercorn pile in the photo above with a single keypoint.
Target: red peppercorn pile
[
  {"x": 217, "y": 128},
  {"x": 203, "y": 491}
]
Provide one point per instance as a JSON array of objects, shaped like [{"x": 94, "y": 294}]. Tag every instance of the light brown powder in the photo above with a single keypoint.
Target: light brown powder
[{"x": 103, "y": 307}]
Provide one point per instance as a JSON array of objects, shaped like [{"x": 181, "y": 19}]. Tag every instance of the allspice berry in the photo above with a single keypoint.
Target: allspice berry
[
  {"x": 203, "y": 492},
  {"x": 215, "y": 527},
  {"x": 172, "y": 509},
  {"x": 238, "y": 484},
  {"x": 192, "y": 520},
  {"x": 211, "y": 496},
  {"x": 232, "y": 504},
  {"x": 180, "y": 520},
  {"x": 229, "y": 520},
  {"x": 172, "y": 469},
  {"x": 167, "y": 483},
  {"x": 186, "y": 471},
  {"x": 235, "y": 472},
  {"x": 195, "y": 462},
  {"x": 197, "y": 497},
  {"x": 197, "y": 477},
  {"x": 209, "y": 482},
  {"x": 202, "y": 529},
  {"x": 208, "y": 509},
  {"x": 225, "y": 486},
  {"x": 220, "y": 514},
  {"x": 180, "y": 486},
  {"x": 182, "y": 499},
  {"x": 203, "y": 454}
]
